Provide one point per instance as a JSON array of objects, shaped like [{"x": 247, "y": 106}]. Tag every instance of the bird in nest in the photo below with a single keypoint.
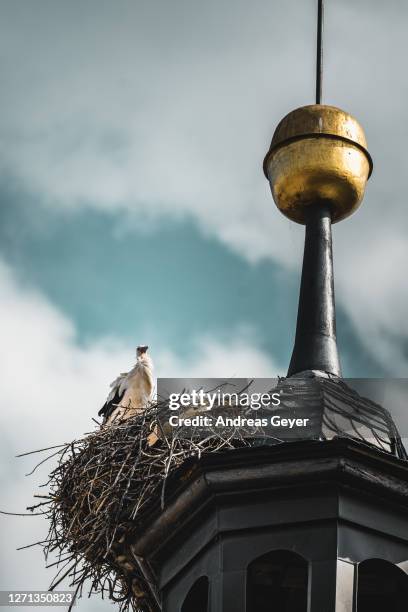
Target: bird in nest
[{"x": 131, "y": 391}]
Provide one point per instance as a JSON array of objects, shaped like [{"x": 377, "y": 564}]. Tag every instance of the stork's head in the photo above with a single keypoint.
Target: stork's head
[
  {"x": 143, "y": 358},
  {"x": 141, "y": 350}
]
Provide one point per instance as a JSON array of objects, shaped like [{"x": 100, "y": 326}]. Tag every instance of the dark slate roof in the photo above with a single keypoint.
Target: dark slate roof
[{"x": 336, "y": 410}]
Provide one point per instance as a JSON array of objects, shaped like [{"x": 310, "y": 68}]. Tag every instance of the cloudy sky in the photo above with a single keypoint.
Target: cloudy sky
[{"x": 134, "y": 209}]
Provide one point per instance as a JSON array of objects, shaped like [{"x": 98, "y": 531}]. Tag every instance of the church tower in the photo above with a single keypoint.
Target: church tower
[{"x": 318, "y": 524}]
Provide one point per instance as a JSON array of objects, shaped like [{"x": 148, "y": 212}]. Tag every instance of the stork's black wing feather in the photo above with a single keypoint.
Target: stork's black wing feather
[{"x": 109, "y": 406}]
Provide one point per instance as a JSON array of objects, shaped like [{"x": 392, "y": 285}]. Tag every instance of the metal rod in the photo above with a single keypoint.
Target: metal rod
[
  {"x": 319, "y": 56},
  {"x": 315, "y": 343}
]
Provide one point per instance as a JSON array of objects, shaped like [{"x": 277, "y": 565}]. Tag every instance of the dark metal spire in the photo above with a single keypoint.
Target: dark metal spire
[
  {"x": 317, "y": 166},
  {"x": 315, "y": 343},
  {"x": 319, "y": 54}
]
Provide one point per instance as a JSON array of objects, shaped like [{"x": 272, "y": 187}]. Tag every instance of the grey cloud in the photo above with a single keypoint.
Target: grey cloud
[{"x": 166, "y": 109}]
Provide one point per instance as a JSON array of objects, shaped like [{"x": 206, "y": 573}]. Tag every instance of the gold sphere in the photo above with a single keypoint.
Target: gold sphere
[{"x": 318, "y": 154}]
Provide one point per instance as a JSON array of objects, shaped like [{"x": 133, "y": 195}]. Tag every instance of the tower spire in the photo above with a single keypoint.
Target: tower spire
[
  {"x": 315, "y": 343},
  {"x": 317, "y": 166},
  {"x": 319, "y": 48}
]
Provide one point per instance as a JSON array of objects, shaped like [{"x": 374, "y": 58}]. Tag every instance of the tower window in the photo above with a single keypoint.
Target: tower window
[
  {"x": 381, "y": 586},
  {"x": 197, "y": 597},
  {"x": 277, "y": 582}
]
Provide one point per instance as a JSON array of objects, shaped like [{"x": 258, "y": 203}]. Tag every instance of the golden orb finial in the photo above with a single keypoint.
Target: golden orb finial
[{"x": 317, "y": 155}]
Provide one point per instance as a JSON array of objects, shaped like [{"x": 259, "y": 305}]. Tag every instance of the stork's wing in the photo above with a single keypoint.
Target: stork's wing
[{"x": 118, "y": 388}]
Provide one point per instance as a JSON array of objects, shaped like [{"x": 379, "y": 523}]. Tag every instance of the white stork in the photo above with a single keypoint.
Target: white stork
[{"x": 131, "y": 391}]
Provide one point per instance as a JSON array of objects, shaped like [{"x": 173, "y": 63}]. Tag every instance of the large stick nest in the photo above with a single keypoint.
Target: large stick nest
[{"x": 102, "y": 484}]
